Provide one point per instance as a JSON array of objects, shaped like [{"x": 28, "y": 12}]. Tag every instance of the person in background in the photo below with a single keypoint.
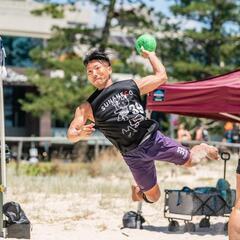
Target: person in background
[
  {"x": 183, "y": 134},
  {"x": 202, "y": 133},
  {"x": 236, "y": 133},
  {"x": 228, "y": 128}
]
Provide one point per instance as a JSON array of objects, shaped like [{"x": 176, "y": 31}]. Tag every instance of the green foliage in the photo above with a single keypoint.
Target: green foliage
[
  {"x": 188, "y": 54},
  {"x": 55, "y": 11},
  {"x": 209, "y": 48},
  {"x": 58, "y": 95},
  {"x": 53, "y": 169},
  {"x": 214, "y": 48},
  {"x": 61, "y": 96},
  {"x": 40, "y": 169},
  {"x": 132, "y": 19}
]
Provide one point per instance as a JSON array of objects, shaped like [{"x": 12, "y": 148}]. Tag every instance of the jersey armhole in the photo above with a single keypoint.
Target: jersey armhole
[{"x": 137, "y": 87}]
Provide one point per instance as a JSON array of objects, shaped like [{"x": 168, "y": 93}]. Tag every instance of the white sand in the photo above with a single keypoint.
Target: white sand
[
  {"x": 73, "y": 216},
  {"x": 70, "y": 217}
]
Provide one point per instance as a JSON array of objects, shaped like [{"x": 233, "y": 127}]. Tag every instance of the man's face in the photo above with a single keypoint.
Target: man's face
[{"x": 98, "y": 73}]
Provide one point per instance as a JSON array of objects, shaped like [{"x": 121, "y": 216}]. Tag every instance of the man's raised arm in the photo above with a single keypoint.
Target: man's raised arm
[{"x": 151, "y": 82}]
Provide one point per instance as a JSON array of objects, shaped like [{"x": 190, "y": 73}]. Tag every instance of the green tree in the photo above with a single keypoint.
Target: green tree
[
  {"x": 62, "y": 95},
  {"x": 210, "y": 47},
  {"x": 56, "y": 94},
  {"x": 213, "y": 46},
  {"x": 52, "y": 9}
]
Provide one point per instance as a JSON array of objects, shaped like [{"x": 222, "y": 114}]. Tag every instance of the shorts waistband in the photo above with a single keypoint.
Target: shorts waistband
[{"x": 145, "y": 138}]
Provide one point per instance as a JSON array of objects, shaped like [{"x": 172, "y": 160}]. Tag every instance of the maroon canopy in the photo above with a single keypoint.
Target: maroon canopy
[{"x": 215, "y": 97}]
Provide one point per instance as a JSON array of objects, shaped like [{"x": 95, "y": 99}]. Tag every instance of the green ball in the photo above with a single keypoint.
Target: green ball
[{"x": 147, "y": 41}]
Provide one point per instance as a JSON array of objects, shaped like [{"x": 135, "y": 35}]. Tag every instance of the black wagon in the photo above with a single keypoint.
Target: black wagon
[{"x": 202, "y": 201}]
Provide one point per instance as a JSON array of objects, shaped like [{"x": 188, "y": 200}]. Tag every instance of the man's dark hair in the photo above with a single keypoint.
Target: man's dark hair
[{"x": 96, "y": 55}]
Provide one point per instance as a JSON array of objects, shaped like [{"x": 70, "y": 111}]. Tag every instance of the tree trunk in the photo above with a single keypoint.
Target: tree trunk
[{"x": 107, "y": 25}]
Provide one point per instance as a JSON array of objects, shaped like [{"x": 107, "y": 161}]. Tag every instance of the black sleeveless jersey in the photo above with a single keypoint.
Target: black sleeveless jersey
[{"x": 119, "y": 115}]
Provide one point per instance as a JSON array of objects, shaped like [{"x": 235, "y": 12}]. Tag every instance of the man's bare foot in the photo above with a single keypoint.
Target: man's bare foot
[
  {"x": 201, "y": 152},
  {"x": 212, "y": 152},
  {"x": 136, "y": 193}
]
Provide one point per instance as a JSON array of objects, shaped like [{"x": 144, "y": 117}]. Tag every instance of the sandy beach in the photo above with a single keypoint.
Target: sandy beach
[{"x": 85, "y": 207}]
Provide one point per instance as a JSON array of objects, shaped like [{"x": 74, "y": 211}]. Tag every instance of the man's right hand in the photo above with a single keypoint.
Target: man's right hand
[
  {"x": 83, "y": 131},
  {"x": 146, "y": 54}
]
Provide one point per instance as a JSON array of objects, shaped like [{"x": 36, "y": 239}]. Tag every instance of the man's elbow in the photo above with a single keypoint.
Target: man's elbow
[
  {"x": 165, "y": 79},
  {"x": 162, "y": 78}
]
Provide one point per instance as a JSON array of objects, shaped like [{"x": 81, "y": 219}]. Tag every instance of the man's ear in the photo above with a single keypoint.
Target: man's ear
[{"x": 110, "y": 69}]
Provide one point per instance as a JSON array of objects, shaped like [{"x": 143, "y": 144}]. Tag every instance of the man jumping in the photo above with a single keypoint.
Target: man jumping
[{"x": 117, "y": 111}]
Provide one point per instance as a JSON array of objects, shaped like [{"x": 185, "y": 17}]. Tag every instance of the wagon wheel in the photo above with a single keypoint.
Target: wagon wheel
[
  {"x": 189, "y": 227},
  {"x": 226, "y": 227},
  {"x": 173, "y": 226},
  {"x": 205, "y": 222}
]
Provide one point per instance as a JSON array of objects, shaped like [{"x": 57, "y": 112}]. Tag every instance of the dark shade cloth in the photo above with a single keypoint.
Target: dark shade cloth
[{"x": 205, "y": 98}]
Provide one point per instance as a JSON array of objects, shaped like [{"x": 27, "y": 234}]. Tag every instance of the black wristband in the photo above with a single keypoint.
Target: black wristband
[
  {"x": 145, "y": 198},
  {"x": 238, "y": 167}
]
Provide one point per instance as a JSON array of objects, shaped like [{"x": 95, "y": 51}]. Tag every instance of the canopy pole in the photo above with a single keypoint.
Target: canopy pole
[
  {"x": 230, "y": 116},
  {"x": 3, "y": 177}
]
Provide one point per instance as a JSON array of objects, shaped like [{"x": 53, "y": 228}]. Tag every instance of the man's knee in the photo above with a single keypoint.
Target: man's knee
[
  {"x": 156, "y": 197},
  {"x": 153, "y": 194}
]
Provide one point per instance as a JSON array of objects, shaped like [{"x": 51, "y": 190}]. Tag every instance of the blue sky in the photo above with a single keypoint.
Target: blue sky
[
  {"x": 162, "y": 5},
  {"x": 159, "y": 5}
]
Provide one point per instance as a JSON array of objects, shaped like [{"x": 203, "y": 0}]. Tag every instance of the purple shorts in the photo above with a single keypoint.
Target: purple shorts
[{"x": 157, "y": 147}]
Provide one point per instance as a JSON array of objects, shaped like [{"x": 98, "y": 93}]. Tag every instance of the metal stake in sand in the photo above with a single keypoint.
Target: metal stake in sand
[
  {"x": 3, "y": 178},
  {"x": 139, "y": 213}
]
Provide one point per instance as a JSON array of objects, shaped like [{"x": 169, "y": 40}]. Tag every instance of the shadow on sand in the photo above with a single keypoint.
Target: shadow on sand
[{"x": 214, "y": 229}]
